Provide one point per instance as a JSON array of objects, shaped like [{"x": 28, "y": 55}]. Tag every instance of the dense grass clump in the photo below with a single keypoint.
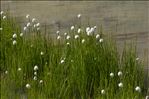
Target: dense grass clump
[{"x": 80, "y": 64}]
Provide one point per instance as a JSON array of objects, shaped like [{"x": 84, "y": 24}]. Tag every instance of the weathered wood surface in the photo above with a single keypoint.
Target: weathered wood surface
[{"x": 126, "y": 20}]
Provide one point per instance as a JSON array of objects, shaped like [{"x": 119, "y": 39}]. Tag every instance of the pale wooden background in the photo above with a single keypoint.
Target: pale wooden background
[{"x": 127, "y": 20}]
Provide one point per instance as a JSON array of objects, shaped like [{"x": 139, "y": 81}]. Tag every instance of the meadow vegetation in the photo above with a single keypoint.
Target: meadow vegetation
[{"x": 82, "y": 63}]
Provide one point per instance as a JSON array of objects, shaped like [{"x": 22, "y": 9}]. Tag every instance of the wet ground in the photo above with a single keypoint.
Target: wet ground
[{"x": 126, "y": 20}]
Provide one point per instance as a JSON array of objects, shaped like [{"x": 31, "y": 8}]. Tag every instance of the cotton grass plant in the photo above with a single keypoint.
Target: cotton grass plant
[{"x": 81, "y": 64}]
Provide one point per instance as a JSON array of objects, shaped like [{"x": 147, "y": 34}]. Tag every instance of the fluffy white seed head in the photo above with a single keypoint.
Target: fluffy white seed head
[
  {"x": 35, "y": 68},
  {"x": 4, "y": 17},
  {"x": 35, "y": 73},
  {"x": 1, "y": 29},
  {"x": 72, "y": 27},
  {"x": 65, "y": 33},
  {"x": 6, "y": 72},
  {"x": 57, "y": 32},
  {"x": 34, "y": 25},
  {"x": 41, "y": 81},
  {"x": 38, "y": 24},
  {"x": 58, "y": 37},
  {"x": 41, "y": 53},
  {"x": 19, "y": 69},
  {"x": 97, "y": 36},
  {"x": 28, "y": 86},
  {"x": 38, "y": 29},
  {"x": 28, "y": 24},
  {"x": 27, "y": 16},
  {"x": 83, "y": 40},
  {"x": 120, "y": 85},
  {"x": 72, "y": 61},
  {"x": 35, "y": 78},
  {"x": 79, "y": 30},
  {"x": 111, "y": 74},
  {"x": 25, "y": 28},
  {"x": 103, "y": 91},
  {"x": 21, "y": 34},
  {"x": 92, "y": 30},
  {"x": 137, "y": 58},
  {"x": 31, "y": 45},
  {"x": 2, "y": 12},
  {"x": 34, "y": 19},
  {"x": 14, "y": 35},
  {"x": 147, "y": 97},
  {"x": 138, "y": 89},
  {"x": 67, "y": 37},
  {"x": 14, "y": 42},
  {"x": 62, "y": 61},
  {"x": 87, "y": 29},
  {"x": 68, "y": 43},
  {"x": 76, "y": 36},
  {"x": 101, "y": 40},
  {"x": 79, "y": 15},
  {"x": 120, "y": 73},
  {"x": 95, "y": 27},
  {"x": 89, "y": 33}
]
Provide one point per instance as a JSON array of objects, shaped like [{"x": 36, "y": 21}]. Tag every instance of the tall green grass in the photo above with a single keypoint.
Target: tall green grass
[{"x": 84, "y": 72}]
